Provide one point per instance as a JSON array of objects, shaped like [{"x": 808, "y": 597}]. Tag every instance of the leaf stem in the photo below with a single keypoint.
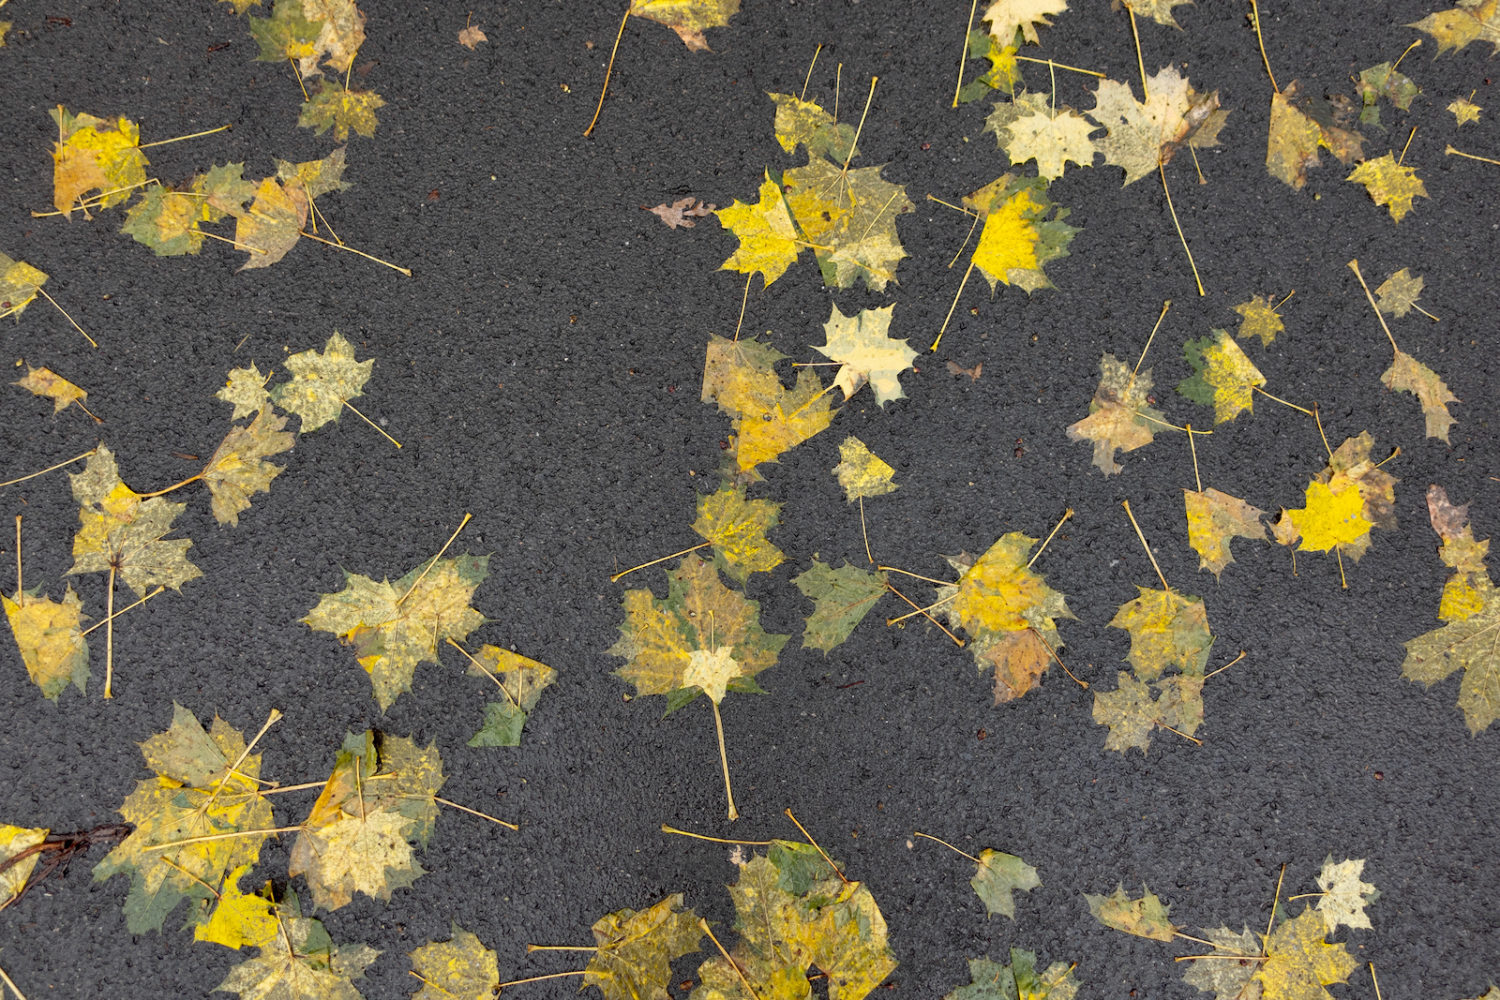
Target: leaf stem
[
  {"x": 1409, "y": 137},
  {"x": 11, "y": 983},
  {"x": 271, "y": 720},
  {"x": 940, "y": 840},
  {"x": 1140, "y": 60},
  {"x": 536, "y": 979},
  {"x": 703, "y": 925},
  {"x": 109, "y": 635},
  {"x": 1167, "y": 304},
  {"x": 923, "y": 611},
  {"x": 372, "y": 423},
  {"x": 434, "y": 560},
  {"x": 964, "y": 56},
  {"x": 1194, "y": 448},
  {"x": 51, "y": 468},
  {"x": 175, "y": 486},
  {"x": 1149, "y": 554},
  {"x": 471, "y": 812},
  {"x": 854, "y": 146},
  {"x": 610, "y": 69},
  {"x": 919, "y": 576},
  {"x": 744, "y": 301},
  {"x": 1056, "y": 528},
  {"x": 734, "y": 813},
  {"x": 1162, "y": 172},
  {"x": 1053, "y": 653},
  {"x": 19, "y": 589},
  {"x": 788, "y": 813},
  {"x": 1058, "y": 65},
  {"x": 1300, "y": 409},
  {"x": 1354, "y": 266},
  {"x": 862, "y": 530},
  {"x": 487, "y": 672},
  {"x": 428, "y": 982},
  {"x": 180, "y": 138},
  {"x": 1270, "y": 924},
  {"x": 674, "y": 555},
  {"x": 1260, "y": 40},
  {"x": 206, "y": 838},
  {"x": 956, "y": 296},
  {"x": 1226, "y": 666},
  {"x": 561, "y": 947},
  {"x": 717, "y": 840},
  {"x": 1450, "y": 151},
  {"x": 1179, "y": 732},
  {"x": 43, "y": 293},
  {"x": 1373, "y": 980},
  {"x": 127, "y": 607},
  {"x": 344, "y": 246},
  {"x": 808, "y": 78}
]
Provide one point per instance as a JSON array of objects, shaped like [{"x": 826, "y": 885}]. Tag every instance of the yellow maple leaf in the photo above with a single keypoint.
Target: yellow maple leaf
[
  {"x": 1224, "y": 376},
  {"x": 861, "y": 472},
  {"x": 849, "y": 219},
  {"x": 1333, "y": 516},
  {"x": 239, "y": 918},
  {"x": 1214, "y": 520},
  {"x": 238, "y": 468},
  {"x": 336, "y": 107},
  {"x": 1465, "y": 112},
  {"x": 1294, "y": 139},
  {"x": 866, "y": 352},
  {"x": 95, "y": 154},
  {"x": 461, "y": 967},
  {"x": 1168, "y": 631},
  {"x": 1407, "y": 374},
  {"x": 1340, "y": 521},
  {"x": 1023, "y": 231},
  {"x": 1258, "y": 319},
  {"x": 19, "y": 285},
  {"x": 1390, "y": 184},
  {"x": 1299, "y": 962},
  {"x": 1006, "y": 17},
  {"x": 46, "y": 382},
  {"x": 769, "y": 241},
  {"x": 688, "y": 17},
  {"x": 14, "y": 840},
  {"x": 50, "y": 639},
  {"x": 1471, "y": 20},
  {"x": 736, "y": 527},
  {"x": 1032, "y": 128},
  {"x": 1143, "y": 136}
]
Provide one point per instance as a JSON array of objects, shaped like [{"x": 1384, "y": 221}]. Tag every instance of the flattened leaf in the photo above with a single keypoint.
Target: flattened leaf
[
  {"x": 998, "y": 877},
  {"x": 332, "y": 106},
  {"x": 1018, "y": 981},
  {"x": 1223, "y": 376},
  {"x": 1345, "y": 894},
  {"x": 636, "y": 949},
  {"x": 461, "y": 968},
  {"x": 1023, "y": 232},
  {"x": 1470, "y": 21},
  {"x": 194, "y": 794},
  {"x": 842, "y": 597},
  {"x": 769, "y": 241},
  {"x": 322, "y": 382},
  {"x": 50, "y": 639},
  {"x": 703, "y": 638},
  {"x": 46, "y": 382},
  {"x": 1465, "y": 111},
  {"x": 1143, "y": 136},
  {"x": 1300, "y": 963},
  {"x": 1382, "y": 80},
  {"x": 238, "y": 468},
  {"x": 1006, "y": 17},
  {"x": 1144, "y": 917},
  {"x": 394, "y": 627},
  {"x": 866, "y": 352},
  {"x": 803, "y": 123},
  {"x": 688, "y": 17},
  {"x": 736, "y": 527},
  {"x": 1333, "y": 517},
  {"x": 849, "y": 217},
  {"x": 1132, "y": 711},
  {"x": 768, "y": 418},
  {"x": 1390, "y": 184},
  {"x": 14, "y": 840},
  {"x": 1004, "y": 72},
  {"x": 1168, "y": 631},
  {"x": 1120, "y": 417},
  {"x": 861, "y": 472},
  {"x": 1215, "y": 519},
  {"x": 95, "y": 154},
  {"x": 239, "y": 919},
  {"x": 19, "y": 284},
  {"x": 1398, "y": 294},
  {"x": 120, "y": 530},
  {"x": 273, "y": 223},
  {"x": 1226, "y": 978},
  {"x": 521, "y": 680},
  {"x": 246, "y": 391},
  {"x": 1407, "y": 374},
  {"x": 301, "y": 963},
  {"x": 1031, "y": 128},
  {"x": 1295, "y": 137},
  {"x": 1159, "y": 11},
  {"x": 1259, "y": 319},
  {"x": 1465, "y": 644}
]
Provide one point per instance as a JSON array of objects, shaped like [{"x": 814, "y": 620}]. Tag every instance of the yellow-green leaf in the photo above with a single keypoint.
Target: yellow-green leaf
[
  {"x": 1214, "y": 520},
  {"x": 1144, "y": 917},
  {"x": 1299, "y": 963},
  {"x": 461, "y": 968},
  {"x": 1223, "y": 376},
  {"x": 1121, "y": 417},
  {"x": 1390, "y": 184},
  {"x": 1407, "y": 374},
  {"x": 861, "y": 472},
  {"x": 736, "y": 527},
  {"x": 1258, "y": 319},
  {"x": 50, "y": 639}
]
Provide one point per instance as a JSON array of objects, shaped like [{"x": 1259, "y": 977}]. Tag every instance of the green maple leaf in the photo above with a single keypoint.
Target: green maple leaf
[
  {"x": 322, "y": 382},
  {"x": 521, "y": 680},
  {"x": 841, "y": 597},
  {"x": 1018, "y": 981},
  {"x": 461, "y": 967},
  {"x": 1465, "y": 644},
  {"x": 1144, "y": 917},
  {"x": 395, "y": 626},
  {"x": 998, "y": 877},
  {"x": 849, "y": 218}
]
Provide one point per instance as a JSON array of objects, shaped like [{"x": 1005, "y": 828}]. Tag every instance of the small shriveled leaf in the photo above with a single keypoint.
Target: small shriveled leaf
[
  {"x": 322, "y": 382},
  {"x": 861, "y": 472},
  {"x": 841, "y": 597},
  {"x": 1390, "y": 184},
  {"x": 866, "y": 352},
  {"x": 470, "y": 35},
  {"x": 1465, "y": 111},
  {"x": 461, "y": 968},
  {"x": 1144, "y": 917},
  {"x": 682, "y": 212},
  {"x": 998, "y": 877}
]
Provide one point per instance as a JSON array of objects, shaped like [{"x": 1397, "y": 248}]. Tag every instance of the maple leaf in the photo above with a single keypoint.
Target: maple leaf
[
  {"x": 1218, "y": 974},
  {"x": 1258, "y": 319},
  {"x": 1168, "y": 630},
  {"x": 14, "y": 840},
  {"x": 169, "y": 221},
  {"x": 1466, "y": 644},
  {"x": 1009, "y": 612},
  {"x": 1398, "y": 294},
  {"x": 94, "y": 154},
  {"x": 238, "y": 468},
  {"x": 768, "y": 418},
  {"x": 1144, "y": 917},
  {"x": 273, "y": 223},
  {"x": 1407, "y": 374},
  {"x": 311, "y": 32},
  {"x": 205, "y": 785},
  {"x": 861, "y": 472},
  {"x": 841, "y": 599},
  {"x": 1299, "y": 963},
  {"x": 19, "y": 285},
  {"x": 1471, "y": 20},
  {"x": 769, "y": 241},
  {"x": 1134, "y": 709},
  {"x": 470, "y": 35},
  {"x": 379, "y": 800},
  {"x": 1159, "y": 11},
  {"x": 1461, "y": 553},
  {"x": 703, "y": 639},
  {"x": 1223, "y": 376},
  {"x": 1345, "y": 896},
  {"x": 682, "y": 212},
  {"x": 688, "y": 17},
  {"x": 334, "y": 106},
  {"x": 395, "y": 626},
  {"x": 1018, "y": 981},
  {"x": 1006, "y": 17},
  {"x": 863, "y": 347},
  {"x": 1000, "y": 875},
  {"x": 301, "y": 962},
  {"x": 50, "y": 639},
  {"x": 1031, "y": 128},
  {"x": 736, "y": 527},
  {"x": 46, "y": 382},
  {"x": 1379, "y": 81},
  {"x": 849, "y": 219},
  {"x": 1120, "y": 416},
  {"x": 521, "y": 680},
  {"x": 245, "y": 389},
  {"x": 1390, "y": 184},
  {"x": 804, "y": 123},
  {"x": 461, "y": 967},
  {"x": 1144, "y": 136},
  {"x": 1465, "y": 111},
  {"x": 322, "y": 382},
  {"x": 1214, "y": 520},
  {"x": 1018, "y": 238},
  {"x": 792, "y": 912},
  {"x": 1295, "y": 137},
  {"x": 239, "y": 919},
  {"x": 635, "y": 949},
  {"x": 120, "y": 532},
  {"x": 1004, "y": 72},
  {"x": 1353, "y": 495}
]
